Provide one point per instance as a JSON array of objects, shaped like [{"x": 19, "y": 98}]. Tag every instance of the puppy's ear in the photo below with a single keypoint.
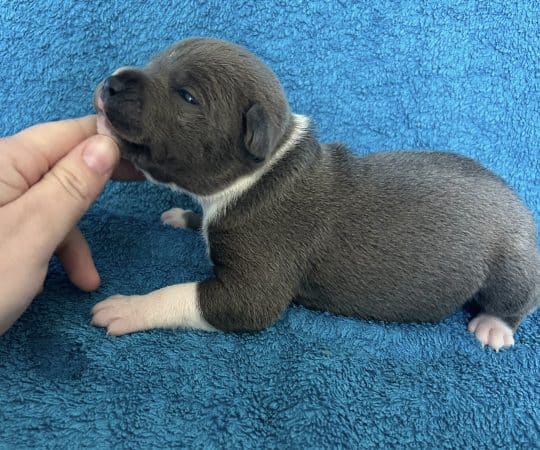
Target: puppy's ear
[{"x": 259, "y": 135}]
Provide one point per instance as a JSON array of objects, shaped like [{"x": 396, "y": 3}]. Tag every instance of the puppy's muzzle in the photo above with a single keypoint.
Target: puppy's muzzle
[
  {"x": 122, "y": 97},
  {"x": 114, "y": 85}
]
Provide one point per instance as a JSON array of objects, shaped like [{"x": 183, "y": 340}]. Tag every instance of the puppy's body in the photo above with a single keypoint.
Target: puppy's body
[{"x": 400, "y": 236}]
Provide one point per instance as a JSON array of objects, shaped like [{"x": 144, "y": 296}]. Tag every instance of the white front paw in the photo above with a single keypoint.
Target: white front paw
[
  {"x": 122, "y": 314},
  {"x": 170, "y": 307},
  {"x": 176, "y": 217}
]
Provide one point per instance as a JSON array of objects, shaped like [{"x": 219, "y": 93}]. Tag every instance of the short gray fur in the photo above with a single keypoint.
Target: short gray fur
[{"x": 397, "y": 236}]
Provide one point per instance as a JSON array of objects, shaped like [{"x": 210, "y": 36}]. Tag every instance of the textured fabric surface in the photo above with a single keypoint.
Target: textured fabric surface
[{"x": 457, "y": 75}]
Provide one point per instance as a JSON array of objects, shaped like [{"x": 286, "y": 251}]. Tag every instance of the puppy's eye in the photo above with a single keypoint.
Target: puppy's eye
[{"x": 187, "y": 96}]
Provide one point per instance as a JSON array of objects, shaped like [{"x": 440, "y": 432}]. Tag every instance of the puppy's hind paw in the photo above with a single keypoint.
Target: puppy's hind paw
[{"x": 491, "y": 331}]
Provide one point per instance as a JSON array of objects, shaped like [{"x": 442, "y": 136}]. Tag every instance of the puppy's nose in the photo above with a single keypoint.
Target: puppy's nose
[{"x": 114, "y": 85}]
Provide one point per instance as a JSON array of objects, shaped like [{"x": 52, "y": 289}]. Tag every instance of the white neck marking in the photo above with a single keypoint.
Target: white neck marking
[{"x": 216, "y": 204}]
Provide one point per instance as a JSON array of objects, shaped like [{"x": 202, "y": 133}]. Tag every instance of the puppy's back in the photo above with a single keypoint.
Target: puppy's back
[{"x": 413, "y": 234}]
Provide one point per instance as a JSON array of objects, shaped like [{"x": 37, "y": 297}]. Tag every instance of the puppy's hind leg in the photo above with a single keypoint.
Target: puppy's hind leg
[{"x": 509, "y": 294}]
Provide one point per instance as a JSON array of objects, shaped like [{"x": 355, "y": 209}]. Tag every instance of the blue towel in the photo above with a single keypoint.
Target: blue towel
[{"x": 456, "y": 75}]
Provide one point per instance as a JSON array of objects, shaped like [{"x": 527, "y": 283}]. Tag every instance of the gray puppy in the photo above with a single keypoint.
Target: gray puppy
[{"x": 395, "y": 236}]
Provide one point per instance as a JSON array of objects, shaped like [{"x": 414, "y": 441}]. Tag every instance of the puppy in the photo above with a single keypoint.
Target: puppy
[{"x": 394, "y": 236}]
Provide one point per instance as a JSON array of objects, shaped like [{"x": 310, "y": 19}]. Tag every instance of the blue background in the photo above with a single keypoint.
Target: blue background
[{"x": 457, "y": 75}]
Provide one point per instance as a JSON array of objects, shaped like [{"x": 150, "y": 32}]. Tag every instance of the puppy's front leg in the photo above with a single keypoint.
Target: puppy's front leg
[
  {"x": 170, "y": 307},
  {"x": 227, "y": 303}
]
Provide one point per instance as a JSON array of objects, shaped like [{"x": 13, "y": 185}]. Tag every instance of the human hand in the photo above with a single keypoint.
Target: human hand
[{"x": 50, "y": 174}]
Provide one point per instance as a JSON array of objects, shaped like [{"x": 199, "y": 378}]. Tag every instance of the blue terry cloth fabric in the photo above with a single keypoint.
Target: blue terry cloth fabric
[{"x": 456, "y": 75}]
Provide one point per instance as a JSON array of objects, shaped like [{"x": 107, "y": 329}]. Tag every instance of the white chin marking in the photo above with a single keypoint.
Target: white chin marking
[{"x": 491, "y": 331}]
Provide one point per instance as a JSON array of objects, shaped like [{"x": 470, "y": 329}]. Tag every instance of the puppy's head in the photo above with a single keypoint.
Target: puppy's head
[{"x": 200, "y": 115}]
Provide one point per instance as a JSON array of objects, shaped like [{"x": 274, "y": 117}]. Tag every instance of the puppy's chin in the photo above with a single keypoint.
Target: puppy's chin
[{"x": 134, "y": 153}]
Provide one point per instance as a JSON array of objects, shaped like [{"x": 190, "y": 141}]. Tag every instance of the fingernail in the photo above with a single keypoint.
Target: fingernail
[{"x": 101, "y": 155}]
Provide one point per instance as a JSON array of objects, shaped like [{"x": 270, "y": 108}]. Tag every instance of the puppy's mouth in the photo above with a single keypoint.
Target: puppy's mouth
[
  {"x": 130, "y": 149},
  {"x": 103, "y": 125}
]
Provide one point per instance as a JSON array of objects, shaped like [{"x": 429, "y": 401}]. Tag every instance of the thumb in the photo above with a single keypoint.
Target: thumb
[{"x": 56, "y": 203}]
